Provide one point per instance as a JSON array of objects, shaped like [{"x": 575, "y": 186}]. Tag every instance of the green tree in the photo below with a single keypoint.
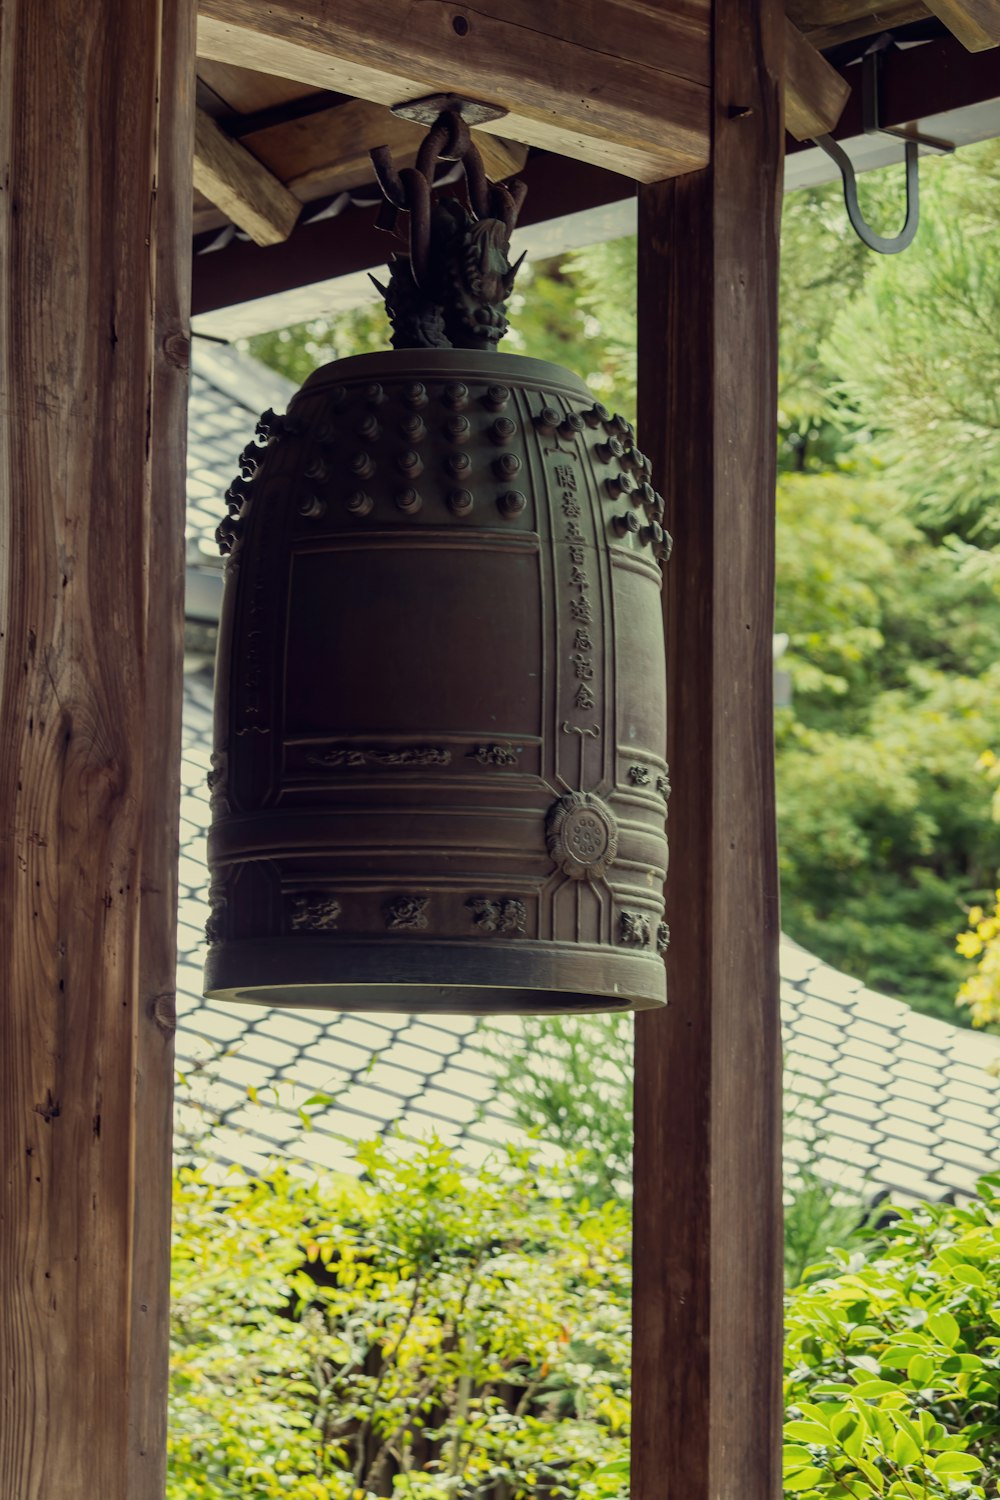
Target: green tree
[
  {"x": 917, "y": 357},
  {"x": 980, "y": 942}
]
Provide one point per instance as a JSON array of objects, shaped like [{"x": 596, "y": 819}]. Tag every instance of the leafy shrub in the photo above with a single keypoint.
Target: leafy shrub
[
  {"x": 892, "y": 1374},
  {"x": 422, "y": 1334},
  {"x": 430, "y": 1335}
]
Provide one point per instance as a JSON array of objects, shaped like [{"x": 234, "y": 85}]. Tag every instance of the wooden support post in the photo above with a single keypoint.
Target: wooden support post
[
  {"x": 96, "y": 137},
  {"x": 708, "y": 1249}
]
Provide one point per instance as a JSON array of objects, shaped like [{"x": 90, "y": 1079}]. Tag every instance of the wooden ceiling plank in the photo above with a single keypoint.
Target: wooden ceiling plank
[
  {"x": 245, "y": 91},
  {"x": 573, "y": 91},
  {"x": 976, "y": 23},
  {"x": 241, "y": 186},
  {"x": 815, "y": 93},
  {"x": 330, "y": 151}
]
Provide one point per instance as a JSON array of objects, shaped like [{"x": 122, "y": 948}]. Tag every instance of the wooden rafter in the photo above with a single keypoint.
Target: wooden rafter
[
  {"x": 241, "y": 186},
  {"x": 976, "y": 23},
  {"x": 815, "y": 93},
  {"x": 330, "y": 150},
  {"x": 826, "y": 23},
  {"x": 623, "y": 84}
]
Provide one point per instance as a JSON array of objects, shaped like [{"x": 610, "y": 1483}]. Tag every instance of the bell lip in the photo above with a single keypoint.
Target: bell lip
[
  {"x": 450, "y": 364},
  {"x": 428, "y": 1000},
  {"x": 400, "y": 976}
]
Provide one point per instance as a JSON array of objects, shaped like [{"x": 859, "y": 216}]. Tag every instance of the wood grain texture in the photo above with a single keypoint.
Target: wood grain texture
[
  {"x": 85, "y": 256},
  {"x": 707, "y": 1331},
  {"x": 621, "y": 84},
  {"x": 976, "y": 23},
  {"x": 241, "y": 186},
  {"x": 165, "y": 517},
  {"x": 246, "y": 91},
  {"x": 329, "y": 151},
  {"x": 827, "y": 23},
  {"x": 815, "y": 93}
]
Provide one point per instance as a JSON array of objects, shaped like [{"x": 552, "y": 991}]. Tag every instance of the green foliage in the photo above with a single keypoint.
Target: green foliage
[
  {"x": 568, "y": 1080},
  {"x": 871, "y": 824},
  {"x": 424, "y": 1334},
  {"x": 295, "y": 352},
  {"x": 918, "y": 359},
  {"x": 428, "y": 1334},
  {"x": 850, "y": 564},
  {"x": 819, "y": 1218},
  {"x": 892, "y": 1374},
  {"x": 980, "y": 990}
]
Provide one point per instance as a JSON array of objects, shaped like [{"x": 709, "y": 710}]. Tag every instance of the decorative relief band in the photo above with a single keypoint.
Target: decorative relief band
[
  {"x": 496, "y": 755},
  {"x": 407, "y": 914},
  {"x": 581, "y": 835},
  {"x": 314, "y": 913},
  {"x": 640, "y": 775},
  {"x": 406, "y": 755},
  {"x": 505, "y": 916},
  {"x": 633, "y": 929},
  {"x": 662, "y": 938}
]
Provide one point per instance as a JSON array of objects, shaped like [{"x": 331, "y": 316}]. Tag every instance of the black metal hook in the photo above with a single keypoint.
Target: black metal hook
[
  {"x": 871, "y": 78},
  {"x": 884, "y": 245}
]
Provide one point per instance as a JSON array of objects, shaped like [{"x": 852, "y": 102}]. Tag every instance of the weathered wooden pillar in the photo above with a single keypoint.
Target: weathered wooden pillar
[
  {"x": 96, "y": 129},
  {"x": 708, "y": 1249}
]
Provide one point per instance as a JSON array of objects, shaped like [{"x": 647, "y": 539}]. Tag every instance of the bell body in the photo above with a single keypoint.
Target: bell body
[{"x": 439, "y": 779}]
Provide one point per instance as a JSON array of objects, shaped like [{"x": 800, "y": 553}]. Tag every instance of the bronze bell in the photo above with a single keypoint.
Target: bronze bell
[{"x": 439, "y": 778}]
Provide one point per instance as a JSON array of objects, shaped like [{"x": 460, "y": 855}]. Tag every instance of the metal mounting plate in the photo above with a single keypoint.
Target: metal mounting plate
[{"x": 425, "y": 111}]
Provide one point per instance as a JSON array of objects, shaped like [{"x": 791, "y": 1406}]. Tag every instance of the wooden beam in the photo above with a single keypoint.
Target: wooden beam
[
  {"x": 238, "y": 184},
  {"x": 622, "y": 84},
  {"x": 92, "y": 376},
  {"x": 976, "y": 23},
  {"x": 707, "y": 1315},
  {"x": 815, "y": 93},
  {"x": 827, "y": 23},
  {"x": 328, "y": 151}
]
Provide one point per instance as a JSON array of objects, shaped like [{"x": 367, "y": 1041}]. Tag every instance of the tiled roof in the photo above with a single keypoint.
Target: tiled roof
[{"x": 892, "y": 1098}]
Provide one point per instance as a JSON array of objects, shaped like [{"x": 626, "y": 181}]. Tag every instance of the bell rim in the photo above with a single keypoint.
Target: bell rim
[
  {"x": 451, "y": 364},
  {"x": 400, "y": 975}
]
